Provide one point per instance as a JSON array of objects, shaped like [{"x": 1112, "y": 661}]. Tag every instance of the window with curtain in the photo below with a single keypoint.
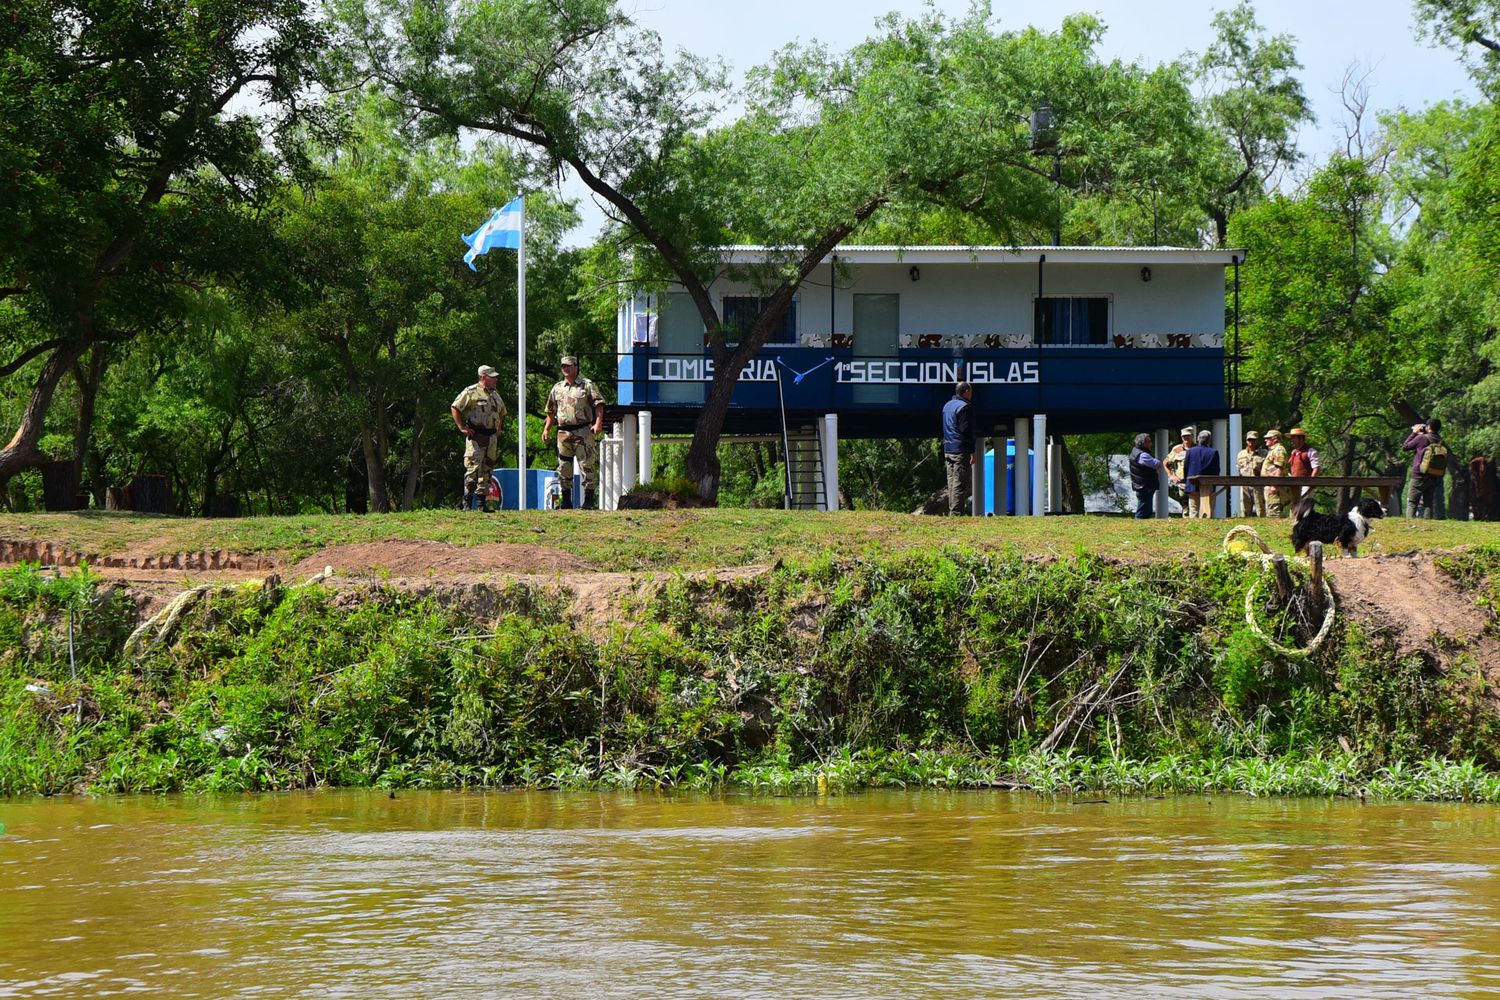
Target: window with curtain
[
  {"x": 1072, "y": 320},
  {"x": 740, "y": 312}
]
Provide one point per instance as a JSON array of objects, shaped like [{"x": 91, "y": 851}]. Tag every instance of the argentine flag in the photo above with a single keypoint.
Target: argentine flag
[{"x": 502, "y": 231}]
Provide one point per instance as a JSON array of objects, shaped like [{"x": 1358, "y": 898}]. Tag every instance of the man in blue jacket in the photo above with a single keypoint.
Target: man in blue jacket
[
  {"x": 1145, "y": 476},
  {"x": 1201, "y": 460},
  {"x": 958, "y": 446}
]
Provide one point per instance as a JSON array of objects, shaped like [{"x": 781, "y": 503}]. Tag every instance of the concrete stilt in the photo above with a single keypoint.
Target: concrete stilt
[
  {"x": 1163, "y": 493},
  {"x": 1232, "y": 447},
  {"x": 1023, "y": 466},
  {"x": 830, "y": 443},
  {"x": 629, "y": 443},
  {"x": 1039, "y": 465},
  {"x": 1226, "y": 464},
  {"x": 644, "y": 472},
  {"x": 977, "y": 480}
]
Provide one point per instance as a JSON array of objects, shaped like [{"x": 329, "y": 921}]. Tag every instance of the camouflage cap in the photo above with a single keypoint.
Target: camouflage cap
[
  {"x": 1252, "y": 436},
  {"x": 1188, "y": 432},
  {"x": 1273, "y": 435},
  {"x": 570, "y": 359},
  {"x": 487, "y": 370}
]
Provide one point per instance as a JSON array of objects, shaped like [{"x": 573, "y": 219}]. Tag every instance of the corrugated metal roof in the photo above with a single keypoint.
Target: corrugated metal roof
[{"x": 958, "y": 254}]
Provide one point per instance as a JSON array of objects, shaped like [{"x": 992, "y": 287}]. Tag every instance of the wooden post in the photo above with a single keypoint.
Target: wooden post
[
  {"x": 1315, "y": 580},
  {"x": 1283, "y": 577}
]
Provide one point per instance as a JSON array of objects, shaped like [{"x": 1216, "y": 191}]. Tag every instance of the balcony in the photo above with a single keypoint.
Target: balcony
[{"x": 1162, "y": 376}]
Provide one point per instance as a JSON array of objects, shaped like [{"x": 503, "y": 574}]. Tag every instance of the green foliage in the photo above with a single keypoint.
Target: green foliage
[
  {"x": 389, "y": 323},
  {"x": 926, "y": 119},
  {"x": 1472, "y": 27},
  {"x": 131, "y": 165},
  {"x": 1253, "y": 105},
  {"x": 891, "y": 474},
  {"x": 1315, "y": 294},
  {"x": 946, "y": 667}
]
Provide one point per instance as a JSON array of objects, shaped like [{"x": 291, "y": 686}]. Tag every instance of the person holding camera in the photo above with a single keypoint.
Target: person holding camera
[
  {"x": 478, "y": 411},
  {"x": 1429, "y": 464}
]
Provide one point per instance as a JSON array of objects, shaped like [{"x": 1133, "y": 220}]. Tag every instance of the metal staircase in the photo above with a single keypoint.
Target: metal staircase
[{"x": 804, "y": 457}]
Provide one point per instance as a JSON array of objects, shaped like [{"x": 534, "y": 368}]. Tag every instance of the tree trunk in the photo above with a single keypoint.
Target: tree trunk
[
  {"x": 1072, "y": 489},
  {"x": 371, "y": 434},
  {"x": 1459, "y": 497},
  {"x": 211, "y": 468},
  {"x": 413, "y": 460},
  {"x": 380, "y": 500},
  {"x": 22, "y": 451},
  {"x": 703, "y": 454},
  {"x": 1221, "y": 225},
  {"x": 89, "y": 377},
  {"x": 260, "y": 461},
  {"x": 1294, "y": 401},
  {"x": 1346, "y": 493}
]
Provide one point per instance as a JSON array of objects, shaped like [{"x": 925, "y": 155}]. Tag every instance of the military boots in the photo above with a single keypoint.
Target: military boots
[
  {"x": 565, "y": 499},
  {"x": 590, "y": 500},
  {"x": 468, "y": 503}
]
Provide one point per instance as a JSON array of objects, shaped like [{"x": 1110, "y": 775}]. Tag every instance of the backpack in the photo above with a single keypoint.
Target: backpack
[{"x": 1435, "y": 458}]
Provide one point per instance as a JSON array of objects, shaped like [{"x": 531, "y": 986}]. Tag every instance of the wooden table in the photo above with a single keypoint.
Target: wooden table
[{"x": 1383, "y": 485}]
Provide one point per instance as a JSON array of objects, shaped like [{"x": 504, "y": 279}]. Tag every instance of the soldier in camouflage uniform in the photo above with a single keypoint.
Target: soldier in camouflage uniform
[
  {"x": 478, "y": 411},
  {"x": 1173, "y": 464},
  {"x": 575, "y": 406},
  {"x": 1278, "y": 499},
  {"x": 1249, "y": 463}
]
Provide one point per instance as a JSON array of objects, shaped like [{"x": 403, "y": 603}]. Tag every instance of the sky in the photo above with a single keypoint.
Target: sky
[{"x": 1377, "y": 37}]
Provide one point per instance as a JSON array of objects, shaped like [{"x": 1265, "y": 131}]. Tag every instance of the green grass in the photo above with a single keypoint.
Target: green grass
[{"x": 695, "y": 539}]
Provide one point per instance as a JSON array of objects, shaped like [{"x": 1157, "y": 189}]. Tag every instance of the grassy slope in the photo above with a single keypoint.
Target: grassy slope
[{"x": 691, "y": 539}]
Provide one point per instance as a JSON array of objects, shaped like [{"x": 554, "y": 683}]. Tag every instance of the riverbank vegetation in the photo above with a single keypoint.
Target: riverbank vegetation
[{"x": 950, "y": 667}]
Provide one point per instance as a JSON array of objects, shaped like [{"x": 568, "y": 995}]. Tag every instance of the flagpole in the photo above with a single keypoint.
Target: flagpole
[{"x": 521, "y": 364}]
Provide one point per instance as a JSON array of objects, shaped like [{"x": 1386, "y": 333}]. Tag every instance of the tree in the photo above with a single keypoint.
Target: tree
[
  {"x": 123, "y": 165},
  {"x": 391, "y": 320},
  {"x": 1317, "y": 315},
  {"x": 196, "y": 402},
  {"x": 928, "y": 111},
  {"x": 1254, "y": 105},
  {"x": 1471, "y": 26}
]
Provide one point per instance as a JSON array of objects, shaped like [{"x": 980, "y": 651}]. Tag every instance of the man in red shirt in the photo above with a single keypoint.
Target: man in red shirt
[{"x": 1302, "y": 461}]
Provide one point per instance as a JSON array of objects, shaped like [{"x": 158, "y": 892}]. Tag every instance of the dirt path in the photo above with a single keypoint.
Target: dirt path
[
  {"x": 464, "y": 574},
  {"x": 413, "y": 558}
]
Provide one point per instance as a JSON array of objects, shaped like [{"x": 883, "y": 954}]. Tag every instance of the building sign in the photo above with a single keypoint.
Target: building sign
[
  {"x": 861, "y": 372},
  {"x": 694, "y": 369},
  {"x": 937, "y": 372}
]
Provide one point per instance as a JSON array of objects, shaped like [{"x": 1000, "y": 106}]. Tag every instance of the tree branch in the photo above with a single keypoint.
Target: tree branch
[{"x": 20, "y": 360}]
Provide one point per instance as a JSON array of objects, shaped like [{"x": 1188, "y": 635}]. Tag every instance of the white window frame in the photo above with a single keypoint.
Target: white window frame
[
  {"x": 1109, "y": 316},
  {"x": 796, "y": 307}
]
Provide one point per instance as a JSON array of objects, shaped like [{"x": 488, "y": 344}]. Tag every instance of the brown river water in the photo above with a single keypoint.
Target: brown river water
[{"x": 881, "y": 894}]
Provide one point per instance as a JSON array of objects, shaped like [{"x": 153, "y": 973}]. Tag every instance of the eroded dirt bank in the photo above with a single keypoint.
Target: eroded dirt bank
[{"x": 1403, "y": 597}]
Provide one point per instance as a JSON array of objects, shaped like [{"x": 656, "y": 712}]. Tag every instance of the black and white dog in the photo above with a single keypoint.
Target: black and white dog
[{"x": 1348, "y": 531}]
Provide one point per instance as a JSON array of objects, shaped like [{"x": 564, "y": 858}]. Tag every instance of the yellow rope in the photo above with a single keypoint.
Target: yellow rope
[{"x": 1264, "y": 557}]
